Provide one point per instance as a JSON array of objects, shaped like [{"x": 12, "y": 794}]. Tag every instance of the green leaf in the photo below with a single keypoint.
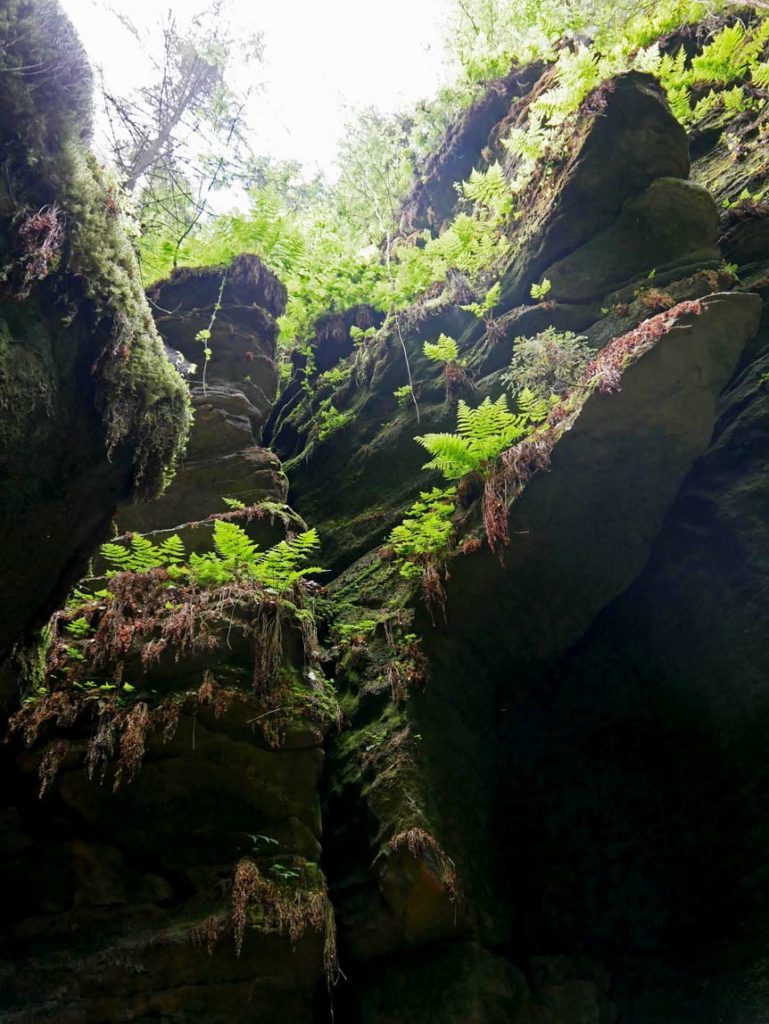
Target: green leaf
[{"x": 444, "y": 350}]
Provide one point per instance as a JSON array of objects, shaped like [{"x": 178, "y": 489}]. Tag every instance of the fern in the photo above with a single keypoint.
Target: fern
[
  {"x": 425, "y": 531},
  {"x": 759, "y": 74},
  {"x": 533, "y": 407},
  {"x": 142, "y": 555},
  {"x": 530, "y": 143},
  {"x": 482, "y": 434},
  {"x": 490, "y": 190},
  {"x": 172, "y": 550},
  {"x": 79, "y": 628},
  {"x": 329, "y": 419},
  {"x": 232, "y": 543},
  {"x": 730, "y": 54},
  {"x": 283, "y": 565},
  {"x": 483, "y": 309},
  {"x": 468, "y": 245},
  {"x": 539, "y": 291},
  {"x": 577, "y": 73},
  {"x": 444, "y": 350},
  {"x": 235, "y": 558}
]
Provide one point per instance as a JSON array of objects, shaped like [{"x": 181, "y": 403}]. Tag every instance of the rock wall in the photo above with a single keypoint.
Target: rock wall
[
  {"x": 232, "y": 392},
  {"x": 91, "y": 412}
]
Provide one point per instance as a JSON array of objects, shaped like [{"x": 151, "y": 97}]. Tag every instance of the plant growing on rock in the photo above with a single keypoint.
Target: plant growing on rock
[
  {"x": 446, "y": 352},
  {"x": 330, "y": 419},
  {"x": 235, "y": 558},
  {"x": 361, "y": 336},
  {"x": 548, "y": 364},
  {"x": 483, "y": 309},
  {"x": 482, "y": 434},
  {"x": 402, "y": 395},
  {"x": 421, "y": 541},
  {"x": 289, "y": 905},
  {"x": 157, "y": 600}
]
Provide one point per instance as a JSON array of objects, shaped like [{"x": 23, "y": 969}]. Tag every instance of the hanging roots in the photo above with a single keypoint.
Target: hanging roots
[
  {"x": 41, "y": 235},
  {"x": 495, "y": 512},
  {"x": 456, "y": 381},
  {"x": 433, "y": 584},
  {"x": 421, "y": 845},
  {"x": 282, "y": 909}
]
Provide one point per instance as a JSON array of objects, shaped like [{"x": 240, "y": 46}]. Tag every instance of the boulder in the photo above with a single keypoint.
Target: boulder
[
  {"x": 624, "y": 138},
  {"x": 671, "y": 222}
]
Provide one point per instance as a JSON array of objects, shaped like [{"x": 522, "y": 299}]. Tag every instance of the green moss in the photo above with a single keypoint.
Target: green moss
[
  {"x": 46, "y": 82},
  {"x": 45, "y": 124},
  {"x": 143, "y": 400}
]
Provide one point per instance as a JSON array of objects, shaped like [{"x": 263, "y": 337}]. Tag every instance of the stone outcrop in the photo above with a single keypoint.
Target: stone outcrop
[
  {"x": 231, "y": 402},
  {"x": 118, "y": 901}
]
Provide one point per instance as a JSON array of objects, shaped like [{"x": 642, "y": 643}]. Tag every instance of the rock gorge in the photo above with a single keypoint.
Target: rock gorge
[{"x": 541, "y": 801}]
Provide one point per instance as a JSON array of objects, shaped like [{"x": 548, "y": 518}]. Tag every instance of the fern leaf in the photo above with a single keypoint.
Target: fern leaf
[
  {"x": 144, "y": 554},
  {"x": 444, "y": 350},
  {"x": 533, "y": 407},
  {"x": 760, "y": 74},
  {"x": 451, "y": 455},
  {"x": 233, "y": 543},
  {"x": 116, "y": 555},
  {"x": 172, "y": 550}
]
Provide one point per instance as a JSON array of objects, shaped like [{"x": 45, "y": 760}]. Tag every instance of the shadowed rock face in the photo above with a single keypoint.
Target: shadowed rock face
[
  {"x": 432, "y": 200},
  {"x": 624, "y": 140},
  {"x": 115, "y": 898}
]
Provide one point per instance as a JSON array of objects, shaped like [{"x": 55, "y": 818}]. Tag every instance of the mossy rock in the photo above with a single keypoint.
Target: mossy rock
[
  {"x": 672, "y": 221},
  {"x": 623, "y": 138}
]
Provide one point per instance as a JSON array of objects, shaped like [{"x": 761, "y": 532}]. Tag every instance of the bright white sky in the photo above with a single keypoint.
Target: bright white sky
[{"x": 323, "y": 58}]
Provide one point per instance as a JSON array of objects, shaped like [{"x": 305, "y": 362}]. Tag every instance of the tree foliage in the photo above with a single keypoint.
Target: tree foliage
[
  {"x": 337, "y": 245},
  {"x": 178, "y": 138}
]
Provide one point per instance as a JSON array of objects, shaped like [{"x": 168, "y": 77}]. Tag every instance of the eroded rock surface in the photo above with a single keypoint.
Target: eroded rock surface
[{"x": 232, "y": 391}]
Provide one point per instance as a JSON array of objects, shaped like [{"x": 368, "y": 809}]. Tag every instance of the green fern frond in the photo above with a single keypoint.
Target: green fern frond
[
  {"x": 482, "y": 433},
  {"x": 533, "y": 407},
  {"x": 425, "y": 530},
  {"x": 233, "y": 544},
  {"x": 144, "y": 554},
  {"x": 451, "y": 455},
  {"x": 759, "y": 74},
  {"x": 141, "y": 556},
  {"x": 444, "y": 350},
  {"x": 172, "y": 550},
  {"x": 283, "y": 565},
  {"x": 483, "y": 309},
  {"x": 727, "y": 57},
  {"x": 116, "y": 556},
  {"x": 489, "y": 188}
]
